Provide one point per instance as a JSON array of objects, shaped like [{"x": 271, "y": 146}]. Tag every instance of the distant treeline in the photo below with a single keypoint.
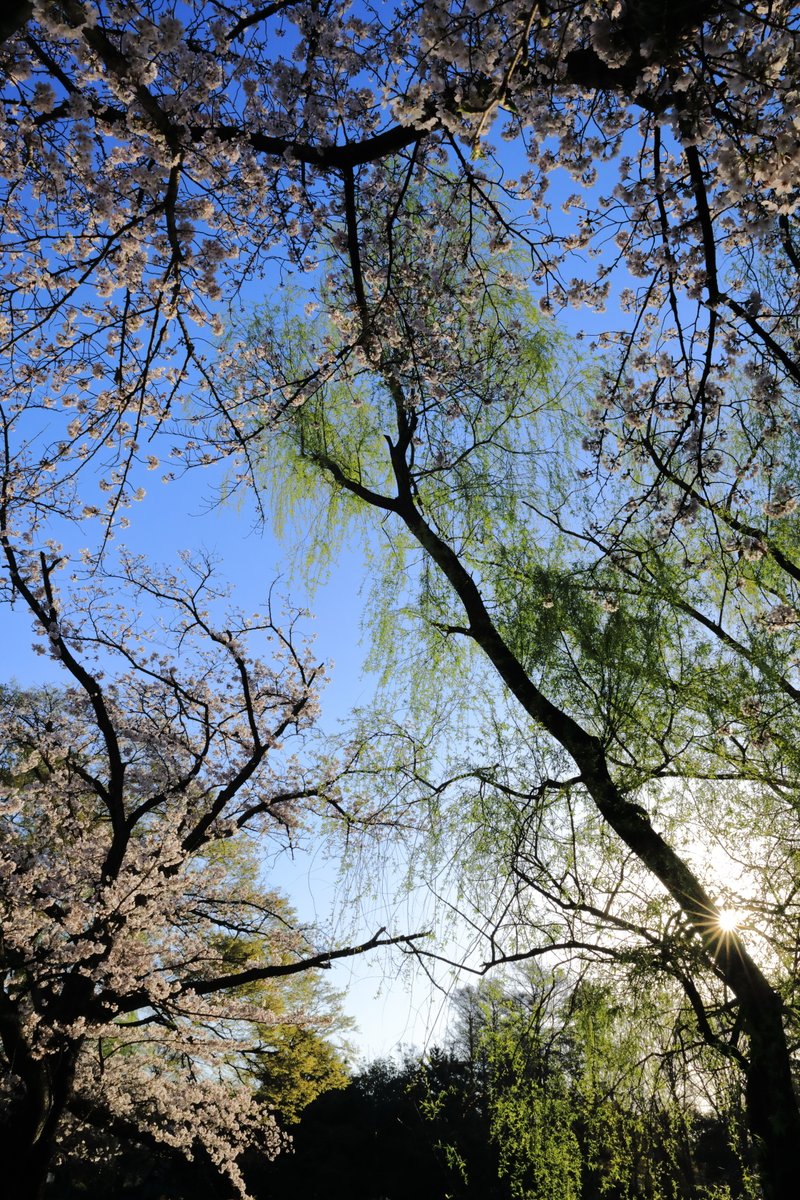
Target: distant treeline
[{"x": 546, "y": 1093}]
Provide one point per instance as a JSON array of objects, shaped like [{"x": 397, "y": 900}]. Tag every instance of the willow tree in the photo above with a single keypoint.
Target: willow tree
[
  {"x": 457, "y": 427},
  {"x": 581, "y": 1093}
]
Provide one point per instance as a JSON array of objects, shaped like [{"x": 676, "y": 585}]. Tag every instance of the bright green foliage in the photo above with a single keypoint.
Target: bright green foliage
[
  {"x": 539, "y": 1151},
  {"x": 615, "y": 624},
  {"x": 581, "y": 1100},
  {"x": 295, "y": 1060},
  {"x": 298, "y": 1065}
]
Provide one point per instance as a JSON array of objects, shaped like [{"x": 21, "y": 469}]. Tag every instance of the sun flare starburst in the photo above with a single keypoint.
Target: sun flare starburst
[{"x": 729, "y": 919}]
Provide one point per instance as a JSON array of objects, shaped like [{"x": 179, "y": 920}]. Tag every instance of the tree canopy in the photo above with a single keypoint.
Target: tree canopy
[{"x": 602, "y": 509}]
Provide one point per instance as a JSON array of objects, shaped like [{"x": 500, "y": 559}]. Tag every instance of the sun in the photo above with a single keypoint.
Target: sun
[{"x": 729, "y": 919}]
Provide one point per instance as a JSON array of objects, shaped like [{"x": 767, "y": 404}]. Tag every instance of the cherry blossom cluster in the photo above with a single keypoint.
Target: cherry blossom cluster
[{"x": 157, "y": 157}]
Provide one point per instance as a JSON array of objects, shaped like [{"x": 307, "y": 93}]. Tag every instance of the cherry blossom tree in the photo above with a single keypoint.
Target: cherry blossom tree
[{"x": 137, "y": 953}]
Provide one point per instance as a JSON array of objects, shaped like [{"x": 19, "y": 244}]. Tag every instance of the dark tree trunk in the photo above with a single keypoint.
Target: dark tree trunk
[
  {"x": 28, "y": 1136},
  {"x": 26, "y": 1171},
  {"x": 15, "y": 16},
  {"x": 771, "y": 1103}
]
